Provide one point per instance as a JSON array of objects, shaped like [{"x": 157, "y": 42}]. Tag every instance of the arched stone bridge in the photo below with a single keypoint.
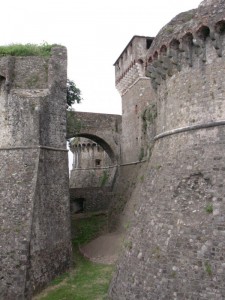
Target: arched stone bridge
[{"x": 104, "y": 129}]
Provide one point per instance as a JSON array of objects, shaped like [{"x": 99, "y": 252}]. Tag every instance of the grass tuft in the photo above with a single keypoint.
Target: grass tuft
[
  {"x": 26, "y": 50},
  {"x": 209, "y": 208}
]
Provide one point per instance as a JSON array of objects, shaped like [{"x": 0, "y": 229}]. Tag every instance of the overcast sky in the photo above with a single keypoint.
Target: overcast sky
[{"x": 94, "y": 31}]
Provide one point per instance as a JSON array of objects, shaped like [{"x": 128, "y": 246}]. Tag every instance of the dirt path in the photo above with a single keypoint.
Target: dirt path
[{"x": 104, "y": 249}]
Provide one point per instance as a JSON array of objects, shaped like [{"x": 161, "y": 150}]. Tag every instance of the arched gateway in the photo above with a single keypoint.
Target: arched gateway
[{"x": 104, "y": 129}]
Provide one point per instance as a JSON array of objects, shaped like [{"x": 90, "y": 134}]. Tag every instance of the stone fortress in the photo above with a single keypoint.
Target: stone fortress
[
  {"x": 165, "y": 154},
  {"x": 173, "y": 94}
]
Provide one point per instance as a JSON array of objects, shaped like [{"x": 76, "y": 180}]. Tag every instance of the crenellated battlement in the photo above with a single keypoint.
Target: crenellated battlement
[
  {"x": 176, "y": 209},
  {"x": 130, "y": 66},
  {"x": 88, "y": 154},
  {"x": 185, "y": 41}
]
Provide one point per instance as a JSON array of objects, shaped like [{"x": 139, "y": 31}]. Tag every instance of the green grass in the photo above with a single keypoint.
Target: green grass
[
  {"x": 26, "y": 50},
  {"x": 88, "y": 228},
  {"x": 87, "y": 280},
  {"x": 209, "y": 208}
]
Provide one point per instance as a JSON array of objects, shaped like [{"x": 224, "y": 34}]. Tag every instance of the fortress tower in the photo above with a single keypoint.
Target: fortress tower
[
  {"x": 135, "y": 90},
  {"x": 88, "y": 154},
  {"x": 176, "y": 241}
]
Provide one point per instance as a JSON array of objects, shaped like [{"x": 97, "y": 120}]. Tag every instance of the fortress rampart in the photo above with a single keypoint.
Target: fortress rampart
[
  {"x": 34, "y": 210},
  {"x": 176, "y": 238}
]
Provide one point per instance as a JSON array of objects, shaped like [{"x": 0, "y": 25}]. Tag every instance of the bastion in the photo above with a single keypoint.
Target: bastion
[
  {"x": 175, "y": 244},
  {"x": 34, "y": 195}
]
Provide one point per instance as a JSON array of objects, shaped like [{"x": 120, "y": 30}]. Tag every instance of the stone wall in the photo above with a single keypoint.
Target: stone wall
[
  {"x": 103, "y": 129},
  {"x": 90, "y": 199},
  {"x": 135, "y": 103},
  {"x": 93, "y": 177},
  {"x": 174, "y": 247},
  {"x": 124, "y": 201},
  {"x": 91, "y": 189},
  {"x": 34, "y": 210},
  {"x": 136, "y": 90},
  {"x": 95, "y": 143}
]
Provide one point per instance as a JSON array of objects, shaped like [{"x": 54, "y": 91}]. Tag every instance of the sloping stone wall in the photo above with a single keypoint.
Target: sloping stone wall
[
  {"x": 34, "y": 207},
  {"x": 175, "y": 245}
]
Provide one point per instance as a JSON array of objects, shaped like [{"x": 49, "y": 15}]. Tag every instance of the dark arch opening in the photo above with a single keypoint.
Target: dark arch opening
[
  {"x": 174, "y": 44},
  {"x": 140, "y": 61},
  {"x": 77, "y": 205},
  {"x": 163, "y": 50},
  {"x": 150, "y": 59},
  {"x": 220, "y": 27},
  {"x": 203, "y": 32},
  {"x": 188, "y": 39},
  {"x": 99, "y": 141},
  {"x": 155, "y": 55}
]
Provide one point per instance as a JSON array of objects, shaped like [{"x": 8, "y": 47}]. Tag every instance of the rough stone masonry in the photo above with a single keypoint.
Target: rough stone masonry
[
  {"x": 176, "y": 241},
  {"x": 34, "y": 195}
]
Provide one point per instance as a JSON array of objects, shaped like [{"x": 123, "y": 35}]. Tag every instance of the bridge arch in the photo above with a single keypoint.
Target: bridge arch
[
  {"x": 98, "y": 140},
  {"x": 104, "y": 129}
]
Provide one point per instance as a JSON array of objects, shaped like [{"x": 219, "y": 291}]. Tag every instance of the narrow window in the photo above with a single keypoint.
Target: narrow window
[
  {"x": 136, "y": 109},
  {"x": 98, "y": 162}
]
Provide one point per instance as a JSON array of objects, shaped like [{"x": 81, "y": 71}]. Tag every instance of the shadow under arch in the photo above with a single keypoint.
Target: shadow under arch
[{"x": 101, "y": 142}]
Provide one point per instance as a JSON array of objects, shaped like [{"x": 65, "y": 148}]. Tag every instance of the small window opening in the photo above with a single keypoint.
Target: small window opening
[
  {"x": 78, "y": 205},
  {"x": 98, "y": 162}
]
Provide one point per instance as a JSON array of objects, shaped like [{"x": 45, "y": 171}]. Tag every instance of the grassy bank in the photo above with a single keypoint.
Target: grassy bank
[
  {"x": 26, "y": 50},
  {"x": 87, "y": 280}
]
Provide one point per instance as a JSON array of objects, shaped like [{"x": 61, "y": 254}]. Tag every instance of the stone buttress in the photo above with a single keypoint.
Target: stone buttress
[{"x": 34, "y": 195}]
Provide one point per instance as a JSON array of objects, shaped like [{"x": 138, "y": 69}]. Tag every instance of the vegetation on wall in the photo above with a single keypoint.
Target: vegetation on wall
[
  {"x": 73, "y": 93},
  {"x": 148, "y": 116},
  {"x": 26, "y": 50},
  {"x": 104, "y": 178},
  {"x": 141, "y": 154}
]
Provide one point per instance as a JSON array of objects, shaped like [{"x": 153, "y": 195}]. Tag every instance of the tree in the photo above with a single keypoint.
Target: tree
[{"x": 73, "y": 93}]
